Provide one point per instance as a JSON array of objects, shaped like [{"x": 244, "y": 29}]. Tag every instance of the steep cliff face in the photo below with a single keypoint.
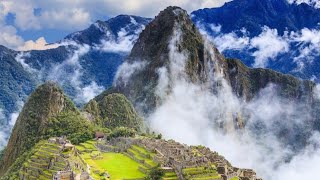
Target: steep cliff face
[
  {"x": 171, "y": 32},
  {"x": 46, "y": 102}
]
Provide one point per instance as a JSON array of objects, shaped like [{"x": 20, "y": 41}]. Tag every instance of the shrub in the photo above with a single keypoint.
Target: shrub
[
  {"x": 155, "y": 173},
  {"x": 72, "y": 125},
  {"x": 122, "y": 132}
]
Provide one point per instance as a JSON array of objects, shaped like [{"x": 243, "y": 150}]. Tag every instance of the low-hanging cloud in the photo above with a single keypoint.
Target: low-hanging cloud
[
  {"x": 302, "y": 47},
  {"x": 126, "y": 70},
  {"x": 124, "y": 40},
  {"x": 193, "y": 114},
  {"x": 7, "y": 123},
  {"x": 70, "y": 72},
  {"x": 268, "y": 44}
]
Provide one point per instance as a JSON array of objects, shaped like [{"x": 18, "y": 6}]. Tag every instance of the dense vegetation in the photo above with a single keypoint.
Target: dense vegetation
[
  {"x": 114, "y": 110},
  {"x": 155, "y": 173},
  {"x": 72, "y": 125},
  {"x": 122, "y": 132}
]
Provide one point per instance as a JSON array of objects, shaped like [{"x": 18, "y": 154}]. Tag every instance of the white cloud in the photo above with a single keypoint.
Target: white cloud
[
  {"x": 268, "y": 45},
  {"x": 76, "y": 15},
  {"x": 231, "y": 41},
  {"x": 308, "y": 46},
  {"x": 39, "y": 44},
  {"x": 123, "y": 42},
  {"x": 65, "y": 18},
  {"x": 69, "y": 73},
  {"x": 126, "y": 70},
  {"x": 303, "y": 46},
  {"x": 20, "y": 58},
  {"x": 8, "y": 124},
  {"x": 88, "y": 92},
  {"x": 73, "y": 15},
  {"x": 9, "y": 38}
]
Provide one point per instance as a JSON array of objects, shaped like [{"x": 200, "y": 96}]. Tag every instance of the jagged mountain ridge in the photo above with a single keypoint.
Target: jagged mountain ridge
[
  {"x": 254, "y": 14},
  {"x": 109, "y": 29},
  {"x": 248, "y": 19}
]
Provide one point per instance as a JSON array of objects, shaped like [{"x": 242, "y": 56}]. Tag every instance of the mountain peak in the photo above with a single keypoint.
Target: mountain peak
[
  {"x": 45, "y": 102},
  {"x": 154, "y": 39},
  {"x": 109, "y": 30},
  {"x": 172, "y": 31}
]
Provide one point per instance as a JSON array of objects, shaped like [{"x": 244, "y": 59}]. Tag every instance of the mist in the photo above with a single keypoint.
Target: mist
[
  {"x": 193, "y": 114},
  {"x": 8, "y": 123}
]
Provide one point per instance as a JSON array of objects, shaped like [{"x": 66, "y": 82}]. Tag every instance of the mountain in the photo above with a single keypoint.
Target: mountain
[
  {"x": 50, "y": 113},
  {"x": 15, "y": 81},
  {"x": 272, "y": 34},
  {"x": 173, "y": 27},
  {"x": 109, "y": 30},
  {"x": 254, "y": 14},
  {"x": 52, "y": 138},
  {"x": 84, "y": 63},
  {"x": 46, "y": 102},
  {"x": 184, "y": 70},
  {"x": 114, "y": 110}
]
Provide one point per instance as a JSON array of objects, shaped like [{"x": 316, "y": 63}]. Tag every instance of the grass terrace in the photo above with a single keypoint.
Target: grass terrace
[
  {"x": 141, "y": 155},
  {"x": 116, "y": 165},
  {"x": 170, "y": 176},
  {"x": 201, "y": 173},
  {"x": 36, "y": 167}
]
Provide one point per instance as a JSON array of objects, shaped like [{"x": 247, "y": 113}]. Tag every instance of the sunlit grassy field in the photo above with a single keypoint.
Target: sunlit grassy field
[{"x": 118, "y": 165}]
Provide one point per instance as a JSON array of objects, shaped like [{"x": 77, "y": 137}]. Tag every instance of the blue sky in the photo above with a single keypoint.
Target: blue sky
[{"x": 23, "y": 22}]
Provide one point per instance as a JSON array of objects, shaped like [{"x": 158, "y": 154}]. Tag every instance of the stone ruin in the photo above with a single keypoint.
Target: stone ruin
[
  {"x": 63, "y": 175},
  {"x": 173, "y": 155}
]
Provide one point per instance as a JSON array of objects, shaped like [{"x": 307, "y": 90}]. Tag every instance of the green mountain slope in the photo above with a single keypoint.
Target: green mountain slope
[
  {"x": 35, "y": 122},
  {"x": 114, "y": 110}
]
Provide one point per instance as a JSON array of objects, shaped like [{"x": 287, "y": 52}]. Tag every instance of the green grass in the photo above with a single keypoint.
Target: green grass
[
  {"x": 234, "y": 178},
  {"x": 118, "y": 165},
  {"x": 137, "y": 151},
  {"x": 201, "y": 173},
  {"x": 88, "y": 145}
]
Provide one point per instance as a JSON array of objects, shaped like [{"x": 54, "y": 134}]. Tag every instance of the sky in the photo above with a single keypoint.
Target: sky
[{"x": 26, "y": 24}]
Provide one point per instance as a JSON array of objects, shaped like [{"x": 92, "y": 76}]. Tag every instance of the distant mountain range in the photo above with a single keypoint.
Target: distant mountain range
[
  {"x": 274, "y": 34},
  {"x": 84, "y": 64}
]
